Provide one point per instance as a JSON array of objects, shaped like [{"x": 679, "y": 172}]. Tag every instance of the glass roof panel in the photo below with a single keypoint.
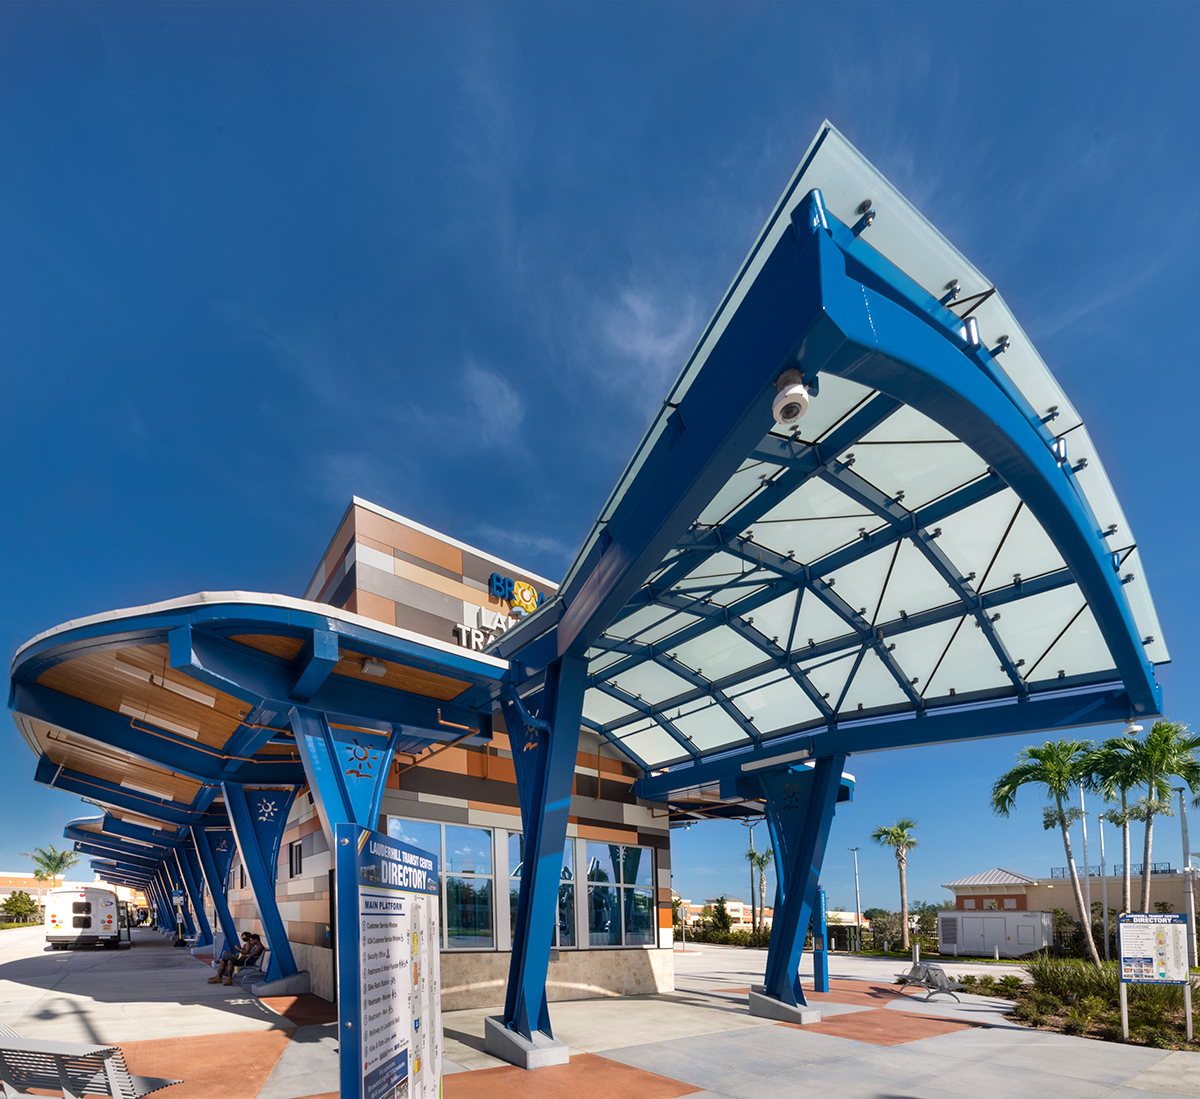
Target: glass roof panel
[
  {"x": 970, "y": 664},
  {"x": 653, "y": 744},
  {"x": 815, "y": 499},
  {"x": 1027, "y": 551},
  {"x": 837, "y": 399},
  {"x": 921, "y": 471},
  {"x": 777, "y": 705},
  {"x": 970, "y": 537},
  {"x": 817, "y": 623},
  {"x": 1029, "y": 626},
  {"x": 642, "y": 619},
  {"x": 812, "y": 539},
  {"x": 710, "y": 727},
  {"x": 918, "y": 651},
  {"x": 907, "y": 425},
  {"x": 1080, "y": 650},
  {"x": 719, "y": 567},
  {"x": 719, "y": 653},
  {"x": 1138, "y": 594},
  {"x": 739, "y": 590},
  {"x": 652, "y": 683},
  {"x": 861, "y": 582},
  {"x": 915, "y": 585},
  {"x": 597, "y": 664},
  {"x": 671, "y": 624},
  {"x": 737, "y": 490},
  {"x": 774, "y": 620},
  {"x": 873, "y": 685},
  {"x": 829, "y": 676},
  {"x": 602, "y": 708}
]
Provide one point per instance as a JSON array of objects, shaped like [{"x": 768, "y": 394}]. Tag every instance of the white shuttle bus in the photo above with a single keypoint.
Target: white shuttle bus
[{"x": 83, "y": 915}]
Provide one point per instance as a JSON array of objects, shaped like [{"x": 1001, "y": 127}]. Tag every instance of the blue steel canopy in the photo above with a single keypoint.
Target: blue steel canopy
[{"x": 933, "y": 553}]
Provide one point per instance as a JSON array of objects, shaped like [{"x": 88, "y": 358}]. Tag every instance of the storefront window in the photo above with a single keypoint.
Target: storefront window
[
  {"x": 621, "y": 909},
  {"x": 564, "y": 932},
  {"x": 465, "y": 881}
]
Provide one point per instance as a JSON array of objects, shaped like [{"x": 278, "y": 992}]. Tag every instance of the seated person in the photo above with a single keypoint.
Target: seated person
[{"x": 251, "y": 946}]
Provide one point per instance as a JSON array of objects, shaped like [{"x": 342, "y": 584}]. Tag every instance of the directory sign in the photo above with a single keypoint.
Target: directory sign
[
  {"x": 1153, "y": 948},
  {"x": 389, "y": 1006}
]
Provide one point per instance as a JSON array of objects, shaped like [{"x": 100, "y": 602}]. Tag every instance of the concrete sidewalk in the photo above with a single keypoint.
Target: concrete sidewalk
[{"x": 223, "y": 1043}]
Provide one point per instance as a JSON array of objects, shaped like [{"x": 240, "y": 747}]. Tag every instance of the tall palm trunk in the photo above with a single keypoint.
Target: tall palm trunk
[
  {"x": 762, "y": 896},
  {"x": 1076, "y": 887},
  {"x": 902, "y": 862},
  {"x": 1127, "y": 882},
  {"x": 753, "y": 915},
  {"x": 1151, "y": 790}
]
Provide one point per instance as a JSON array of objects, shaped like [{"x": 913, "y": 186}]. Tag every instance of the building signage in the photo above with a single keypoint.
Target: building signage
[
  {"x": 389, "y": 1005},
  {"x": 522, "y": 599},
  {"x": 1153, "y": 948},
  {"x": 520, "y": 595}
]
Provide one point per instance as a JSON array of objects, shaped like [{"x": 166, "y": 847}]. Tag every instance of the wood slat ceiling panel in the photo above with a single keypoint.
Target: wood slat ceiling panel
[
  {"x": 164, "y": 698},
  {"x": 398, "y": 676},
  {"x": 99, "y": 761}
]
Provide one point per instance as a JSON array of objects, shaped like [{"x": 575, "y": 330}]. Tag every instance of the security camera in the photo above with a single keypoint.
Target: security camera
[{"x": 791, "y": 402}]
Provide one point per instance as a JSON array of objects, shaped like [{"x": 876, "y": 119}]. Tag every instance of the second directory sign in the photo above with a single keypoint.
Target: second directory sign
[{"x": 389, "y": 1009}]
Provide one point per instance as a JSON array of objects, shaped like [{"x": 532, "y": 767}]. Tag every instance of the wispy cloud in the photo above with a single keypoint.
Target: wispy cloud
[{"x": 490, "y": 402}]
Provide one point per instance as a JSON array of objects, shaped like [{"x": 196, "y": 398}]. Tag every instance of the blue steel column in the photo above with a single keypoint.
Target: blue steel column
[
  {"x": 259, "y": 817},
  {"x": 544, "y": 760},
  {"x": 215, "y": 853},
  {"x": 155, "y": 887},
  {"x": 346, "y": 770},
  {"x": 192, "y": 885},
  {"x": 799, "y": 831}
]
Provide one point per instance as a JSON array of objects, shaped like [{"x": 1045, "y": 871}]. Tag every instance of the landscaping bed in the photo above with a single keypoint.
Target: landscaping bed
[{"x": 1074, "y": 997}]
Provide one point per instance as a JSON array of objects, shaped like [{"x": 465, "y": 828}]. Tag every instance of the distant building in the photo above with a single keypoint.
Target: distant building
[{"x": 13, "y": 881}]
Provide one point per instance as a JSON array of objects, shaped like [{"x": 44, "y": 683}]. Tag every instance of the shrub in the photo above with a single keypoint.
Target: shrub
[
  {"x": 1010, "y": 986},
  {"x": 1045, "y": 1001},
  {"x": 967, "y": 979},
  {"x": 1159, "y": 1037},
  {"x": 1076, "y": 1025},
  {"x": 1026, "y": 1012},
  {"x": 986, "y": 983},
  {"x": 1067, "y": 978}
]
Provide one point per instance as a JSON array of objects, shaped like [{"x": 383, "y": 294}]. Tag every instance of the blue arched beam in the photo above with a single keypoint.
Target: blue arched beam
[
  {"x": 544, "y": 761},
  {"x": 259, "y": 817},
  {"x": 114, "y": 826},
  {"x": 800, "y": 815},
  {"x": 215, "y": 864},
  {"x": 108, "y": 851},
  {"x": 346, "y": 769},
  {"x": 189, "y": 872},
  {"x": 874, "y": 334}
]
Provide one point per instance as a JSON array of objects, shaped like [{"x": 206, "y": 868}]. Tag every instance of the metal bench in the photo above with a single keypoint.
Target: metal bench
[
  {"x": 254, "y": 971},
  {"x": 74, "y": 1068},
  {"x": 931, "y": 977}
]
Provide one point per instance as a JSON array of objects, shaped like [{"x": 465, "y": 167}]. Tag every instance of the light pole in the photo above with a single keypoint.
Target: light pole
[
  {"x": 1189, "y": 894},
  {"x": 1087, "y": 870},
  {"x": 1103, "y": 880},
  {"x": 857, "y": 905}
]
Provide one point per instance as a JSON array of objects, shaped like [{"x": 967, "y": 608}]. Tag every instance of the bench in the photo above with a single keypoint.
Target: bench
[
  {"x": 74, "y": 1068},
  {"x": 254, "y": 971},
  {"x": 931, "y": 977}
]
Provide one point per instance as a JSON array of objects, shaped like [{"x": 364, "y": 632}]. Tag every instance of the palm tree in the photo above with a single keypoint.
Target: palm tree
[
  {"x": 1112, "y": 769},
  {"x": 900, "y": 839},
  {"x": 52, "y": 862},
  {"x": 759, "y": 861},
  {"x": 1057, "y": 765},
  {"x": 1169, "y": 749}
]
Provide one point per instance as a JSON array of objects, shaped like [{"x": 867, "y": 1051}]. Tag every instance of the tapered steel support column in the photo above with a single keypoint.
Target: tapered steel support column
[
  {"x": 800, "y": 824},
  {"x": 259, "y": 816},
  {"x": 544, "y": 754},
  {"x": 164, "y": 917},
  {"x": 346, "y": 770},
  {"x": 191, "y": 883},
  {"x": 215, "y": 853}
]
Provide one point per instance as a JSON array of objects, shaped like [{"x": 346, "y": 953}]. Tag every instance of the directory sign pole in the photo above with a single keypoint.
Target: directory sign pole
[
  {"x": 389, "y": 1005},
  {"x": 1154, "y": 950}
]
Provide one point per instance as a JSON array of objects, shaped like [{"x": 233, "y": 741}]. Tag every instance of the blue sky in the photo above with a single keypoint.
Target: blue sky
[{"x": 255, "y": 259}]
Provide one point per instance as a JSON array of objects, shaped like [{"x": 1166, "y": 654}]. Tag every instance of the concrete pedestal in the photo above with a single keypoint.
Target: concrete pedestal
[
  {"x": 295, "y": 985},
  {"x": 517, "y": 1050},
  {"x": 767, "y": 1007}
]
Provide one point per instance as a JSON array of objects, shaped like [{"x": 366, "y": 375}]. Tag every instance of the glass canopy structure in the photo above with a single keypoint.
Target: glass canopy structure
[{"x": 931, "y": 552}]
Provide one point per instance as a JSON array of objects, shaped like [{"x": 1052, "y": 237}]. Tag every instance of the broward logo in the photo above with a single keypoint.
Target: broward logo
[{"x": 521, "y": 596}]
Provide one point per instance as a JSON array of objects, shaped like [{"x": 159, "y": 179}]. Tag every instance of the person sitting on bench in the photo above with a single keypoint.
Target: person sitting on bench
[{"x": 251, "y": 947}]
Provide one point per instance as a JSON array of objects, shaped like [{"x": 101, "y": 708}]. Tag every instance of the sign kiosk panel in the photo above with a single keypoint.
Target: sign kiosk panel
[
  {"x": 1153, "y": 948},
  {"x": 389, "y": 1002}
]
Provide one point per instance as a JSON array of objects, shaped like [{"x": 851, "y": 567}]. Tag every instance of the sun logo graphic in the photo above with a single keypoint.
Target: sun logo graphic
[{"x": 524, "y": 596}]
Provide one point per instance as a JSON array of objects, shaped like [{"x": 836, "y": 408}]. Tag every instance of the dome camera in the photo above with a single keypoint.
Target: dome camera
[{"x": 791, "y": 402}]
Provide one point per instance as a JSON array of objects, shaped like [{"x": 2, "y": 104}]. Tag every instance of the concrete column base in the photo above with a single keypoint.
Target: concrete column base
[
  {"x": 294, "y": 985},
  {"x": 517, "y": 1050},
  {"x": 767, "y": 1007}
]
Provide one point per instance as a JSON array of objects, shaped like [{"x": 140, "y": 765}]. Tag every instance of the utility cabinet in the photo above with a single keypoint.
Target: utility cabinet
[{"x": 982, "y": 934}]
